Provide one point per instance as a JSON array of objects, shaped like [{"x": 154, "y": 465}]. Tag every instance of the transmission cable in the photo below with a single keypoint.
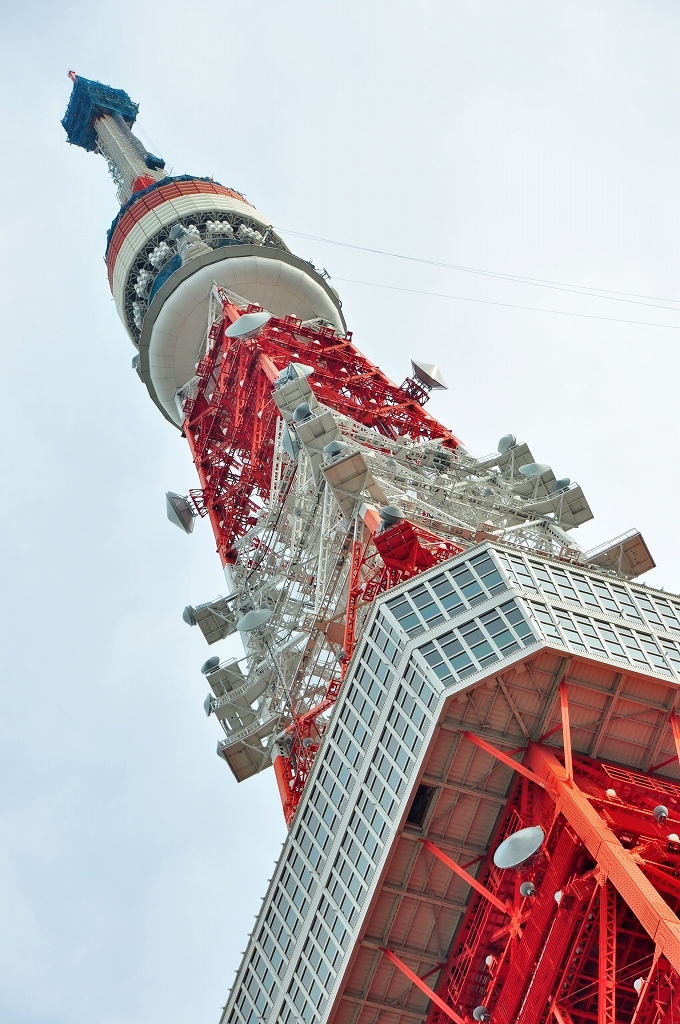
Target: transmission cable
[
  {"x": 601, "y": 293},
  {"x": 509, "y": 305}
]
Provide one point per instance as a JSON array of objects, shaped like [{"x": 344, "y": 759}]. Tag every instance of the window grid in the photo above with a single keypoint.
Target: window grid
[
  {"x": 356, "y": 861},
  {"x": 447, "y": 595},
  {"x": 478, "y": 643},
  {"x": 614, "y": 597},
  {"x": 596, "y": 636}
]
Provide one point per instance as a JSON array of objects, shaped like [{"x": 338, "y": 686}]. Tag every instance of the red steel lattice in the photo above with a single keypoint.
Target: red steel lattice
[
  {"x": 578, "y": 958},
  {"x": 230, "y": 425}
]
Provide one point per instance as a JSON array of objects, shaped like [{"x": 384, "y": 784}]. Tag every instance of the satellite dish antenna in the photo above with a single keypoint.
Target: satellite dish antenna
[
  {"x": 534, "y": 470},
  {"x": 507, "y": 442},
  {"x": 334, "y": 448},
  {"x": 429, "y": 375},
  {"x": 253, "y": 620},
  {"x": 179, "y": 511},
  {"x": 301, "y": 412},
  {"x": 560, "y": 485},
  {"x": 188, "y": 615},
  {"x": 519, "y": 847},
  {"x": 210, "y": 665},
  {"x": 391, "y": 514},
  {"x": 660, "y": 813},
  {"x": 207, "y": 705},
  {"x": 290, "y": 444},
  {"x": 301, "y": 369},
  {"x": 481, "y": 1013},
  {"x": 248, "y": 325}
]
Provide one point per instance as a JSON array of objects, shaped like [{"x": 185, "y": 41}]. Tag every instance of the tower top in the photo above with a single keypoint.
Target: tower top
[{"x": 89, "y": 101}]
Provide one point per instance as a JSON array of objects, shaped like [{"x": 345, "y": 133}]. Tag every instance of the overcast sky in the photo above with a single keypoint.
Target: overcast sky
[{"x": 529, "y": 139}]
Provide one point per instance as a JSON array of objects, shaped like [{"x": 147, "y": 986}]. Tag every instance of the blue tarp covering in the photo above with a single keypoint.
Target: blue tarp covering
[
  {"x": 170, "y": 267},
  {"x": 90, "y": 100}
]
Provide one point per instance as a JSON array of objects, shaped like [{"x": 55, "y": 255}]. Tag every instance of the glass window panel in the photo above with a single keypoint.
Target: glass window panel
[
  {"x": 652, "y": 651},
  {"x": 565, "y": 588},
  {"x": 492, "y": 623},
  {"x": 516, "y": 618},
  {"x": 631, "y": 645},
  {"x": 451, "y": 647},
  {"x": 604, "y": 595},
  {"x": 488, "y": 573},
  {"x": 648, "y": 609},
  {"x": 626, "y": 602},
  {"x": 484, "y": 653},
  {"x": 569, "y": 630},
  {"x": 522, "y": 574},
  {"x": 446, "y": 593},
  {"x": 472, "y": 634},
  {"x": 505, "y": 562},
  {"x": 667, "y": 614},
  {"x": 672, "y": 653},
  {"x": 590, "y": 634},
  {"x": 543, "y": 577},
  {"x": 547, "y": 624},
  {"x": 586, "y": 594},
  {"x": 469, "y": 586},
  {"x": 407, "y": 618}
]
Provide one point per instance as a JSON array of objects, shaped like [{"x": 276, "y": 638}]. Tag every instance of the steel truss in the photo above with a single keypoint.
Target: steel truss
[
  {"x": 316, "y": 556},
  {"x": 615, "y": 875}
]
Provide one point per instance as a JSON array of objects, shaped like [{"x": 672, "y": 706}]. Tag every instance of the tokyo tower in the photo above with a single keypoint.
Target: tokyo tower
[{"x": 471, "y": 721}]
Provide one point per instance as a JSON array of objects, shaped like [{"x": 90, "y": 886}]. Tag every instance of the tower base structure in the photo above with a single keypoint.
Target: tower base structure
[{"x": 496, "y": 692}]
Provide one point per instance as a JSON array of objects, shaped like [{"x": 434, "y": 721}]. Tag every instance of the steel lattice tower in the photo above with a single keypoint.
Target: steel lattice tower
[{"x": 436, "y": 670}]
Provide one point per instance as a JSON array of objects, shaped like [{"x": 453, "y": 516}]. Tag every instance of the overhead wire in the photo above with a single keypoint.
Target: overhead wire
[
  {"x": 588, "y": 290},
  {"x": 509, "y": 305}
]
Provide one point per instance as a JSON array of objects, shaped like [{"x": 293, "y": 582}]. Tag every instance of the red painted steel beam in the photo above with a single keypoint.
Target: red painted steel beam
[
  {"x": 537, "y": 928},
  {"x": 651, "y": 910},
  {"x": 675, "y": 726},
  {"x": 606, "y": 997},
  {"x": 566, "y": 731},
  {"x": 505, "y": 758},
  {"x": 550, "y": 959},
  {"x": 412, "y": 976},
  {"x": 505, "y": 908}
]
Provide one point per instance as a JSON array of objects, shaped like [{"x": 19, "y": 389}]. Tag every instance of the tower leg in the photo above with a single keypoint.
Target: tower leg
[{"x": 606, "y": 1007}]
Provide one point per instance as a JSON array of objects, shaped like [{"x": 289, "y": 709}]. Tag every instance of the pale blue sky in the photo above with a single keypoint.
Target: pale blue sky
[{"x": 527, "y": 138}]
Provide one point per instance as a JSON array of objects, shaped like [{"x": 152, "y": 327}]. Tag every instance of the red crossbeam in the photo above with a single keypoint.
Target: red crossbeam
[
  {"x": 566, "y": 731},
  {"x": 505, "y": 908},
  {"x": 505, "y": 758},
  {"x": 654, "y": 914},
  {"x": 444, "y": 1007}
]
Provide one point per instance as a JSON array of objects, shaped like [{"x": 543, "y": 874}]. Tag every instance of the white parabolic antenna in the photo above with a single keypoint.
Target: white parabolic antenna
[
  {"x": 535, "y": 469},
  {"x": 179, "y": 511},
  {"x": 507, "y": 442},
  {"x": 248, "y": 325},
  {"x": 429, "y": 375},
  {"x": 518, "y": 847},
  {"x": 253, "y": 620}
]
